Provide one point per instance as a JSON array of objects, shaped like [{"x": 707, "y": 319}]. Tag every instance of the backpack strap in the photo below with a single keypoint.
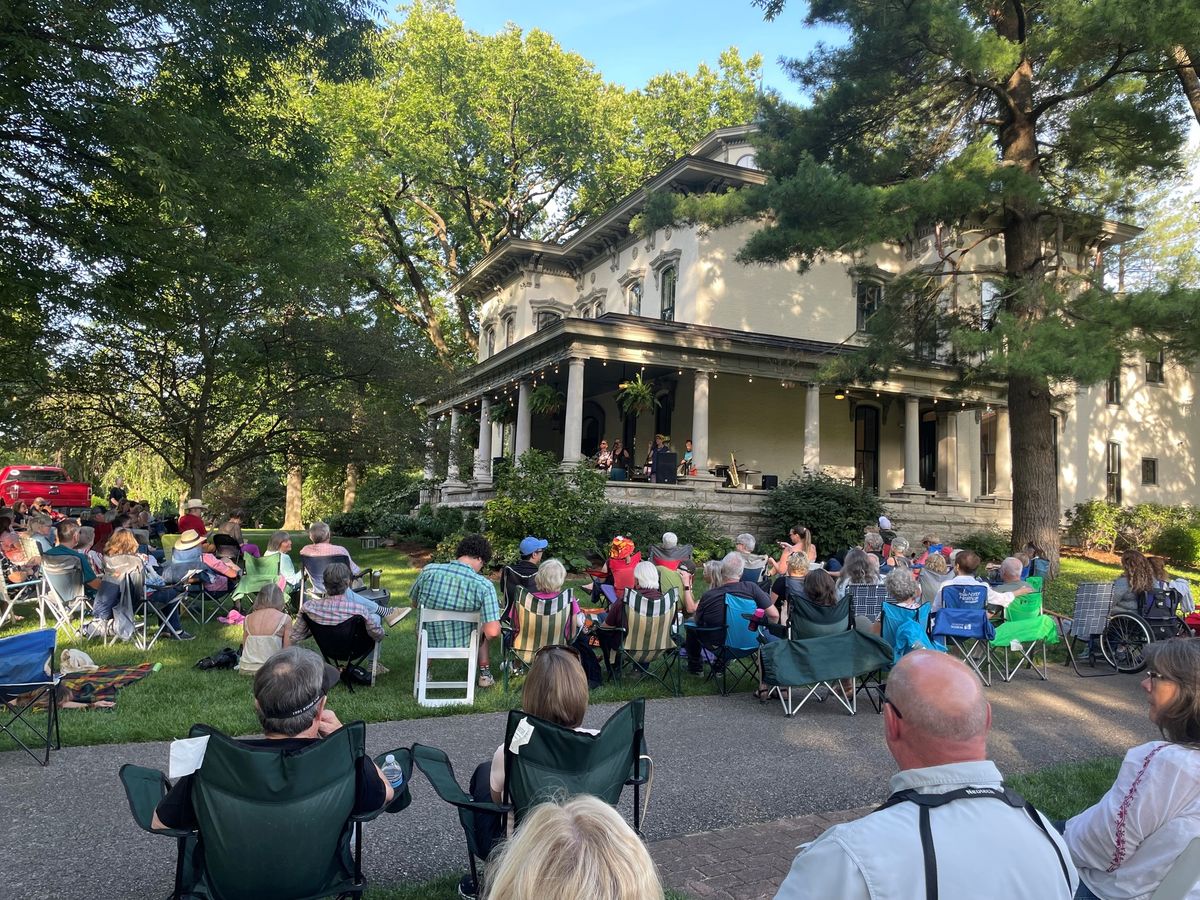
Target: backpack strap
[{"x": 926, "y": 802}]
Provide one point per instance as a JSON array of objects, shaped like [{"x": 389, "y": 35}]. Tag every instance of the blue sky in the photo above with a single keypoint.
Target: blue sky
[{"x": 632, "y": 40}]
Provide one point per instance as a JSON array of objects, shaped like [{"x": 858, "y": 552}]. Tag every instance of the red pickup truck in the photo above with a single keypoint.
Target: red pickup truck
[{"x": 30, "y": 482}]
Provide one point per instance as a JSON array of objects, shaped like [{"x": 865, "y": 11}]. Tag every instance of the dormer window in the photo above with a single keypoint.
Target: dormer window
[
  {"x": 635, "y": 298},
  {"x": 747, "y": 161},
  {"x": 508, "y": 330},
  {"x": 668, "y": 278},
  {"x": 546, "y": 318}
]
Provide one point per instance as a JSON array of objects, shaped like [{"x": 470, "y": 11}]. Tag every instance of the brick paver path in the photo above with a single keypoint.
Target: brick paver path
[{"x": 741, "y": 863}]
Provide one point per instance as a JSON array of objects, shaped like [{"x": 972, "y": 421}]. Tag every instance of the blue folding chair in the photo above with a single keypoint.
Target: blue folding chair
[
  {"x": 963, "y": 622},
  {"x": 25, "y": 660},
  {"x": 905, "y": 630},
  {"x": 733, "y": 642}
]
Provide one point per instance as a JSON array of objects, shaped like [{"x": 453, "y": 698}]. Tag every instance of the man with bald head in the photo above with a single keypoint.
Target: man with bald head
[{"x": 950, "y": 828}]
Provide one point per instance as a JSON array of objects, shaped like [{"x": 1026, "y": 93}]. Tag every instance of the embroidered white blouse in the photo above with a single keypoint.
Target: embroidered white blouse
[{"x": 1126, "y": 843}]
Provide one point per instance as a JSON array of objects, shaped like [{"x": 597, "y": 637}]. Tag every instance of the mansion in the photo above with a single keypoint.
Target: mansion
[{"x": 732, "y": 353}]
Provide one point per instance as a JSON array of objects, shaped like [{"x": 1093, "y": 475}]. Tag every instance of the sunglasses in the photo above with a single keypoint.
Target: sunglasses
[{"x": 895, "y": 708}]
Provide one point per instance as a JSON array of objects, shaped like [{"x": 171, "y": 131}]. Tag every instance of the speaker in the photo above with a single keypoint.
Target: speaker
[
  {"x": 770, "y": 482},
  {"x": 666, "y": 468}
]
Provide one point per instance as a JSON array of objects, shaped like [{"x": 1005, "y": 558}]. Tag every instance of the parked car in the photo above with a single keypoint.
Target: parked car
[{"x": 30, "y": 482}]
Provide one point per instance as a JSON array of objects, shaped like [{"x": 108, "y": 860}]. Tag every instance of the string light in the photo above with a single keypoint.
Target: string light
[{"x": 750, "y": 379}]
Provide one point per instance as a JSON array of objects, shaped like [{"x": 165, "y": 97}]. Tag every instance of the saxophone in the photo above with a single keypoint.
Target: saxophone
[{"x": 733, "y": 475}]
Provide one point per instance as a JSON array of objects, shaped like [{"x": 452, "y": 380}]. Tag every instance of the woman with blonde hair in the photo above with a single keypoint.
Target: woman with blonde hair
[
  {"x": 266, "y": 631},
  {"x": 556, "y": 690},
  {"x": 580, "y": 847},
  {"x": 1127, "y": 842}
]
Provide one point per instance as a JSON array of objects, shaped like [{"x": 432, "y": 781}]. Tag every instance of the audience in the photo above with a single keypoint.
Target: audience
[
  {"x": 1136, "y": 579},
  {"x": 338, "y": 604},
  {"x": 896, "y": 556},
  {"x": 744, "y": 545},
  {"x": 577, "y": 847},
  {"x": 84, "y": 542},
  {"x": 790, "y": 584},
  {"x": 39, "y": 527},
  {"x": 966, "y": 562},
  {"x": 1127, "y": 842},
  {"x": 710, "y": 611},
  {"x": 556, "y": 689},
  {"x": 859, "y": 568},
  {"x": 458, "y": 586},
  {"x": 280, "y": 544},
  {"x": 318, "y": 536},
  {"x": 903, "y": 590},
  {"x": 934, "y": 574},
  {"x": 68, "y": 536},
  {"x": 290, "y": 698},
  {"x": 266, "y": 631},
  {"x": 122, "y": 552},
  {"x": 645, "y": 582},
  {"x": 192, "y": 518},
  {"x": 192, "y": 554},
  {"x": 670, "y": 553},
  {"x": 520, "y": 575},
  {"x": 936, "y": 723},
  {"x": 1010, "y": 577}
]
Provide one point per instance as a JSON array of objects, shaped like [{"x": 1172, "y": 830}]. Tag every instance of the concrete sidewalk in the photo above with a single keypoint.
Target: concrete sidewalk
[{"x": 721, "y": 763}]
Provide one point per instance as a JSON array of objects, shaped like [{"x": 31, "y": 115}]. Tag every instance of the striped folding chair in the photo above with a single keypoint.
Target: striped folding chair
[
  {"x": 538, "y": 622},
  {"x": 648, "y": 638}
]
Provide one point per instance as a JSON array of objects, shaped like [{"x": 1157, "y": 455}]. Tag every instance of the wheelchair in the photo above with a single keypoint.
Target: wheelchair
[{"x": 1126, "y": 634}]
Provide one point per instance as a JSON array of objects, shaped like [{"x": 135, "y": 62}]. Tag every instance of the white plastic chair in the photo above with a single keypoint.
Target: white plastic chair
[
  {"x": 1183, "y": 875},
  {"x": 425, "y": 653}
]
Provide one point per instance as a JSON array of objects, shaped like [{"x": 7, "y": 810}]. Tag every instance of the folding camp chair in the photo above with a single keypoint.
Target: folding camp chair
[
  {"x": 964, "y": 623},
  {"x": 257, "y": 574},
  {"x": 1093, "y": 602},
  {"x": 810, "y": 664},
  {"x": 905, "y": 630},
  {"x": 1025, "y": 630},
  {"x": 539, "y": 623},
  {"x": 25, "y": 660},
  {"x": 294, "y": 808},
  {"x": 346, "y": 644},
  {"x": 168, "y": 542},
  {"x": 12, "y": 593},
  {"x": 314, "y": 574},
  {"x": 63, "y": 594},
  {"x": 868, "y": 600},
  {"x": 553, "y": 762},
  {"x": 729, "y": 644},
  {"x": 427, "y": 652},
  {"x": 646, "y": 639},
  {"x": 227, "y": 547}
]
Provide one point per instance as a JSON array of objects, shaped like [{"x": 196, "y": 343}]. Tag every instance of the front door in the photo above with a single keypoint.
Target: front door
[
  {"x": 928, "y": 451},
  {"x": 866, "y": 448}
]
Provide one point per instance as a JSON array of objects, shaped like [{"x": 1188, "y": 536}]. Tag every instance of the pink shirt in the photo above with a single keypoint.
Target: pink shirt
[{"x": 327, "y": 549}]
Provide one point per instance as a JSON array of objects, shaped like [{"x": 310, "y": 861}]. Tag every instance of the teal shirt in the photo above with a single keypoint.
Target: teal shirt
[{"x": 88, "y": 573}]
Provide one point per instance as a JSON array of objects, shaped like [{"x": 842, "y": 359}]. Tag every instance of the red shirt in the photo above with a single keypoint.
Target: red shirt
[
  {"x": 190, "y": 521},
  {"x": 103, "y": 531}
]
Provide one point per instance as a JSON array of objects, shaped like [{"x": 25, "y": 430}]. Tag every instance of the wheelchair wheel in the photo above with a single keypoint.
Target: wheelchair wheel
[{"x": 1123, "y": 642}]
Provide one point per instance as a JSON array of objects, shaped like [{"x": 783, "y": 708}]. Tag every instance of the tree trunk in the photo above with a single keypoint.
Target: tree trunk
[
  {"x": 292, "y": 520},
  {"x": 1188, "y": 68},
  {"x": 350, "y": 493},
  {"x": 199, "y": 479}
]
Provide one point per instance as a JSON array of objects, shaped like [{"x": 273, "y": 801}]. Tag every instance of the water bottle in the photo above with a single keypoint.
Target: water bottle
[{"x": 392, "y": 772}]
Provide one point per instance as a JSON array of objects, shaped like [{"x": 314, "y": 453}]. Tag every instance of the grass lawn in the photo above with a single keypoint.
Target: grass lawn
[{"x": 166, "y": 703}]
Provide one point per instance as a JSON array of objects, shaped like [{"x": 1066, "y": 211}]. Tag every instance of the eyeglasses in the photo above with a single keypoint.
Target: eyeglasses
[
  {"x": 895, "y": 708},
  {"x": 1156, "y": 676}
]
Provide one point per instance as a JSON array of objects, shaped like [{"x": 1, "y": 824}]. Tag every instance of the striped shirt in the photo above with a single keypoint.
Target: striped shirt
[{"x": 454, "y": 586}]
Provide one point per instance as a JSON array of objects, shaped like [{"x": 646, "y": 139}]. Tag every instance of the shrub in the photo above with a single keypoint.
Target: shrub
[
  {"x": 702, "y": 531},
  {"x": 641, "y": 524},
  {"x": 835, "y": 511},
  {"x": 385, "y": 497},
  {"x": 535, "y": 497},
  {"x": 1180, "y": 544},
  {"x": 1093, "y": 524},
  {"x": 351, "y": 524},
  {"x": 1139, "y": 526},
  {"x": 991, "y": 544}
]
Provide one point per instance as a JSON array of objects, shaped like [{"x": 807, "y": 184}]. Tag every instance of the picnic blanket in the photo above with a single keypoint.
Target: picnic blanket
[{"x": 90, "y": 687}]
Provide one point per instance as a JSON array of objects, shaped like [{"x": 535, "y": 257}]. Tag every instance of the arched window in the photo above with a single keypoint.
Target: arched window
[
  {"x": 508, "y": 331},
  {"x": 546, "y": 318},
  {"x": 635, "y": 299},
  {"x": 868, "y": 297},
  {"x": 490, "y": 341},
  {"x": 747, "y": 161},
  {"x": 667, "y": 309}
]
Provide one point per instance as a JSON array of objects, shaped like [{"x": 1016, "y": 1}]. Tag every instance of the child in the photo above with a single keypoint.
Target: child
[{"x": 265, "y": 631}]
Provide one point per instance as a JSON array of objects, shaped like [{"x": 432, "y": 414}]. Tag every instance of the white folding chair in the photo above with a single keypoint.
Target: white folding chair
[
  {"x": 1182, "y": 876},
  {"x": 13, "y": 593},
  {"x": 425, "y": 653},
  {"x": 62, "y": 593}
]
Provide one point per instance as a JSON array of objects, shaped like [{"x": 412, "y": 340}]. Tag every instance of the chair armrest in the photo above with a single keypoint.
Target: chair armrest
[
  {"x": 144, "y": 789},
  {"x": 403, "y": 797},
  {"x": 435, "y": 765},
  {"x": 613, "y": 628}
]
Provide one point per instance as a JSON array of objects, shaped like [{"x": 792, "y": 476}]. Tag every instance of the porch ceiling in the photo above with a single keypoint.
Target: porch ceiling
[{"x": 619, "y": 346}]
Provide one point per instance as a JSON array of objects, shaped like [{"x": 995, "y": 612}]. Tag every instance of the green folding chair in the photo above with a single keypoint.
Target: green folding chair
[
  {"x": 1025, "y": 630},
  {"x": 647, "y": 639},
  {"x": 168, "y": 542},
  {"x": 811, "y": 664},
  {"x": 539, "y": 623},
  {"x": 553, "y": 762},
  {"x": 292, "y": 810},
  {"x": 257, "y": 574}
]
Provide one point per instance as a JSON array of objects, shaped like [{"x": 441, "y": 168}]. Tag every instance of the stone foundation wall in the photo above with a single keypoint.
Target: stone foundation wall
[{"x": 739, "y": 510}]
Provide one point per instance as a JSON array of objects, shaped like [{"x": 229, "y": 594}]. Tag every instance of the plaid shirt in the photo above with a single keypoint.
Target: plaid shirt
[
  {"x": 454, "y": 586},
  {"x": 335, "y": 611}
]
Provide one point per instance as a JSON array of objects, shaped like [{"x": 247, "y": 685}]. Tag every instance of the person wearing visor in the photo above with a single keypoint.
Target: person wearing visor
[{"x": 290, "y": 696}]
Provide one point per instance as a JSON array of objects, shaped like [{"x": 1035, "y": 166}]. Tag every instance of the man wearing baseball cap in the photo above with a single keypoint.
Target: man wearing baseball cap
[
  {"x": 520, "y": 574},
  {"x": 290, "y": 696}
]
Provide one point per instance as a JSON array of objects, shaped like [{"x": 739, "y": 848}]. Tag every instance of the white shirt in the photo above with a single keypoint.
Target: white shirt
[
  {"x": 1138, "y": 831},
  {"x": 986, "y": 849},
  {"x": 994, "y": 598}
]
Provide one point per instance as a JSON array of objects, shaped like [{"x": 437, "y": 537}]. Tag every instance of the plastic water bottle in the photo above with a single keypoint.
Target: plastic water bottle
[{"x": 392, "y": 772}]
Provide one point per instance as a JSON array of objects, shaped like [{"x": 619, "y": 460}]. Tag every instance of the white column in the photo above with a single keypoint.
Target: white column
[
  {"x": 968, "y": 455},
  {"x": 430, "y": 464},
  {"x": 483, "y": 455},
  {"x": 573, "y": 426},
  {"x": 1003, "y": 455},
  {"x": 452, "y": 462},
  {"x": 521, "y": 444},
  {"x": 700, "y": 422},
  {"x": 912, "y": 444},
  {"x": 497, "y": 439},
  {"x": 812, "y": 428},
  {"x": 947, "y": 482}
]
